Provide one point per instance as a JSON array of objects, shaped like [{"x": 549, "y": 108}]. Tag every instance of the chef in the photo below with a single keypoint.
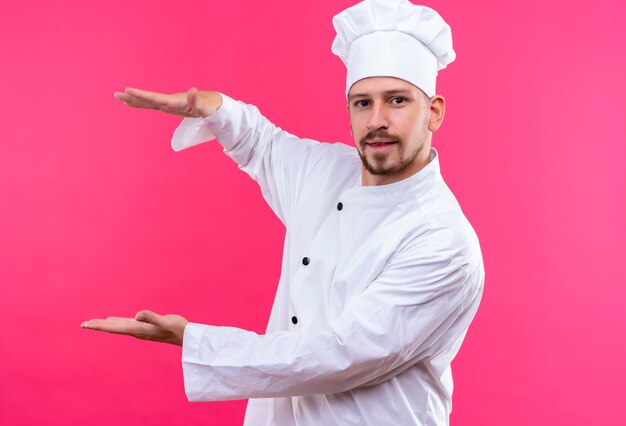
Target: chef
[{"x": 382, "y": 273}]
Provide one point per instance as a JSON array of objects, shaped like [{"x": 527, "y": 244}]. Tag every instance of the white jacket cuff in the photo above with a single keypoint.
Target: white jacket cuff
[
  {"x": 194, "y": 131},
  {"x": 193, "y": 351}
]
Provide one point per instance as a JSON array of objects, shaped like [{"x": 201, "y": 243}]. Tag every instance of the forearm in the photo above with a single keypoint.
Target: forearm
[
  {"x": 366, "y": 346},
  {"x": 227, "y": 363}
]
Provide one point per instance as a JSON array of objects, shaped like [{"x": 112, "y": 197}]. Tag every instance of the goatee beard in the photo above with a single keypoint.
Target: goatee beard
[{"x": 375, "y": 167}]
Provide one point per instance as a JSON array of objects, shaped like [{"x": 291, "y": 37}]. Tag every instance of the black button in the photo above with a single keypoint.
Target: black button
[
  {"x": 294, "y": 320},
  {"x": 339, "y": 206},
  {"x": 306, "y": 261}
]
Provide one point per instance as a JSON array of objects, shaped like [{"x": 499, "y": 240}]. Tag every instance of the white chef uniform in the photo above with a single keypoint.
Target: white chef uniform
[{"x": 378, "y": 287}]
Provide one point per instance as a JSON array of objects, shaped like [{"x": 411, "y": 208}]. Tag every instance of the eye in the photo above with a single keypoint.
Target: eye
[
  {"x": 361, "y": 103},
  {"x": 398, "y": 100}
]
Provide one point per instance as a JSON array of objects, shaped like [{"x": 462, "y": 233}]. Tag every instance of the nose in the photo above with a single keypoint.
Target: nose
[{"x": 378, "y": 118}]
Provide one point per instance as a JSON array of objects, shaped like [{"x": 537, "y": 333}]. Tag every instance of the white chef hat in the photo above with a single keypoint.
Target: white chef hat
[{"x": 393, "y": 38}]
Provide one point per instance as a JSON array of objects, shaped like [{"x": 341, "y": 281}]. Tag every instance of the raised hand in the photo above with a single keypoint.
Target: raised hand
[
  {"x": 194, "y": 103},
  {"x": 146, "y": 326}
]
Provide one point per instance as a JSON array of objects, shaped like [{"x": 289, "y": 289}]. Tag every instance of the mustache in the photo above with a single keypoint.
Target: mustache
[{"x": 379, "y": 134}]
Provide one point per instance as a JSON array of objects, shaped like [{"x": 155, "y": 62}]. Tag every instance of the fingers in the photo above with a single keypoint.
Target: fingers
[
  {"x": 113, "y": 325},
  {"x": 125, "y": 326},
  {"x": 132, "y": 102},
  {"x": 172, "y": 104},
  {"x": 123, "y": 96},
  {"x": 142, "y": 98},
  {"x": 147, "y": 96},
  {"x": 122, "y": 324}
]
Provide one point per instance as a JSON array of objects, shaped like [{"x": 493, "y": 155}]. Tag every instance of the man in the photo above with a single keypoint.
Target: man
[{"x": 382, "y": 274}]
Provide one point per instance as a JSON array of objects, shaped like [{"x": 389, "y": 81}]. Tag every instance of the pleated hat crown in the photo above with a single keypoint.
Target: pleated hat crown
[{"x": 393, "y": 38}]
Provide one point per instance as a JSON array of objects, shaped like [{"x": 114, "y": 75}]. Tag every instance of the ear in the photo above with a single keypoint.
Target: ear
[{"x": 437, "y": 112}]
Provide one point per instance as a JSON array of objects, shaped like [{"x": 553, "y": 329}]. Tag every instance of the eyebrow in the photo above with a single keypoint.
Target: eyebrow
[{"x": 386, "y": 93}]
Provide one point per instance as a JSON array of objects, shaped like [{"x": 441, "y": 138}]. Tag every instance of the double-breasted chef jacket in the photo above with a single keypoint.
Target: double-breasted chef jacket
[{"x": 378, "y": 287}]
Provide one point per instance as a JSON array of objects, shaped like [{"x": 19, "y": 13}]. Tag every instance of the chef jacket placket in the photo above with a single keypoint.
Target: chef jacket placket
[{"x": 309, "y": 290}]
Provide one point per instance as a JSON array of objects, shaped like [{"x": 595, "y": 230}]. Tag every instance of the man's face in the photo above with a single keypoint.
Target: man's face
[{"x": 392, "y": 128}]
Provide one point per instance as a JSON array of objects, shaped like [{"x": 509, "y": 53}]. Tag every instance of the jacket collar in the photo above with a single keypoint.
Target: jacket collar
[{"x": 397, "y": 191}]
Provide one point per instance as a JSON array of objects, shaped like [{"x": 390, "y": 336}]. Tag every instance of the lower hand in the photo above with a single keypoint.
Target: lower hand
[{"x": 146, "y": 326}]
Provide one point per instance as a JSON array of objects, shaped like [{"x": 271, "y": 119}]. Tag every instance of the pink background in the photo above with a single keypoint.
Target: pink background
[{"x": 98, "y": 216}]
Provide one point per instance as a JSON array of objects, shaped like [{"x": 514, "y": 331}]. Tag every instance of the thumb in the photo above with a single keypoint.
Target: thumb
[
  {"x": 149, "y": 317},
  {"x": 192, "y": 98}
]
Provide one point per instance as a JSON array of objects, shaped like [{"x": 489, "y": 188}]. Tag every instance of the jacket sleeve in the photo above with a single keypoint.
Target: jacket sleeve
[
  {"x": 420, "y": 306},
  {"x": 277, "y": 160}
]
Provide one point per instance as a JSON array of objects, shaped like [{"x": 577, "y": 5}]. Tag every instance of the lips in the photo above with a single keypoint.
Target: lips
[
  {"x": 379, "y": 144},
  {"x": 378, "y": 139}
]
